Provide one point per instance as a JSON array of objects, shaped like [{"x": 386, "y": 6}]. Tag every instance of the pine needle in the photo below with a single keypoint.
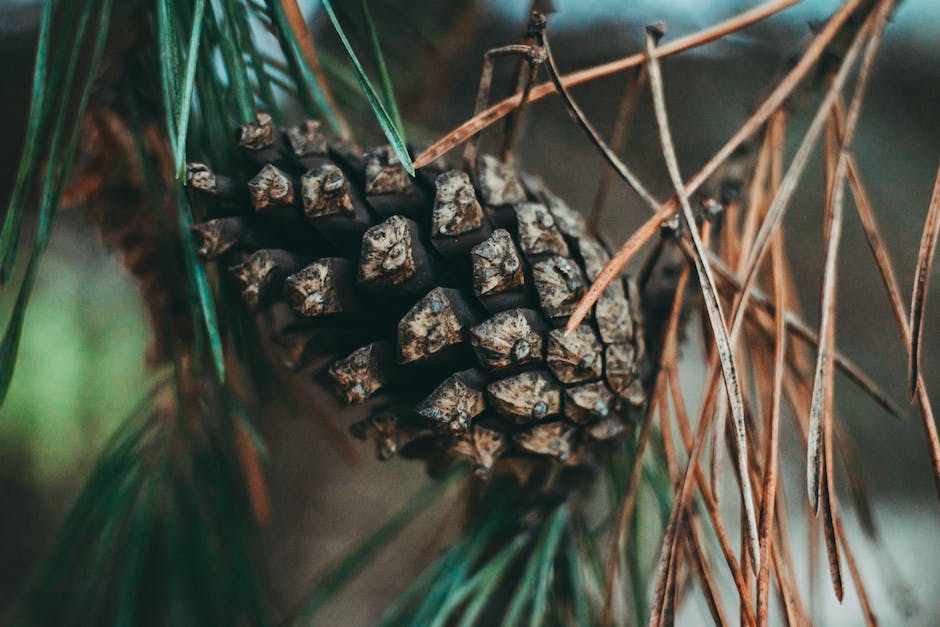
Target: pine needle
[
  {"x": 822, "y": 381},
  {"x": 770, "y": 105},
  {"x": 353, "y": 562},
  {"x": 503, "y": 108},
  {"x": 925, "y": 256},
  {"x": 581, "y": 120},
  {"x": 38, "y": 111},
  {"x": 395, "y": 137},
  {"x": 880, "y": 253},
  {"x": 541, "y": 558},
  {"x": 62, "y": 149},
  {"x": 385, "y": 80},
  {"x": 710, "y": 293},
  {"x": 189, "y": 79},
  {"x": 772, "y": 447}
]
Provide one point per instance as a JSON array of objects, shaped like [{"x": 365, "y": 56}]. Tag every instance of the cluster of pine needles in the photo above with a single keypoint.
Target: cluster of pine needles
[{"x": 165, "y": 530}]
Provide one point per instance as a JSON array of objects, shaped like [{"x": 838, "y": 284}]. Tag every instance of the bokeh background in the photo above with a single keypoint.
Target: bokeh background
[{"x": 81, "y": 365}]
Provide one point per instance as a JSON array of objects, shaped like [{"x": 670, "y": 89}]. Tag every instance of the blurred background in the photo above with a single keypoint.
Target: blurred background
[{"x": 81, "y": 365}]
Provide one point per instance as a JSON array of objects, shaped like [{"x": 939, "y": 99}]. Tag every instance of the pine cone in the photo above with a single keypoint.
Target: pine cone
[{"x": 438, "y": 300}]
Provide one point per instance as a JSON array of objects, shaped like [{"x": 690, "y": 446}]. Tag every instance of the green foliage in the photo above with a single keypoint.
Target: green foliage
[
  {"x": 161, "y": 534},
  {"x": 59, "y": 155},
  {"x": 308, "y": 88},
  {"x": 163, "y": 531},
  {"x": 70, "y": 345},
  {"x": 519, "y": 558}
]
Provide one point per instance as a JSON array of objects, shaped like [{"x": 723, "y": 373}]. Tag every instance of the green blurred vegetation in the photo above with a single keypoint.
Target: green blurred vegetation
[{"x": 81, "y": 364}]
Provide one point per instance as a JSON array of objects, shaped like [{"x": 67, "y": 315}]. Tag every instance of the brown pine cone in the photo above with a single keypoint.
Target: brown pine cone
[{"x": 437, "y": 300}]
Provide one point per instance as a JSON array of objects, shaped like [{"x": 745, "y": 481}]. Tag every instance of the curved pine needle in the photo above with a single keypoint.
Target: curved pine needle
[
  {"x": 819, "y": 419},
  {"x": 928, "y": 246},
  {"x": 772, "y": 448},
  {"x": 582, "y": 121},
  {"x": 501, "y": 109},
  {"x": 712, "y": 303},
  {"x": 880, "y": 253},
  {"x": 617, "y": 263}
]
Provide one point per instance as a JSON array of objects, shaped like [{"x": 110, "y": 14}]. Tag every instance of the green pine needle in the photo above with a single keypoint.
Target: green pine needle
[
  {"x": 189, "y": 79},
  {"x": 200, "y": 285},
  {"x": 388, "y": 93},
  {"x": 162, "y": 533},
  {"x": 63, "y": 146},
  {"x": 12, "y": 223},
  {"x": 395, "y": 137},
  {"x": 308, "y": 87},
  {"x": 235, "y": 61},
  {"x": 354, "y": 561}
]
